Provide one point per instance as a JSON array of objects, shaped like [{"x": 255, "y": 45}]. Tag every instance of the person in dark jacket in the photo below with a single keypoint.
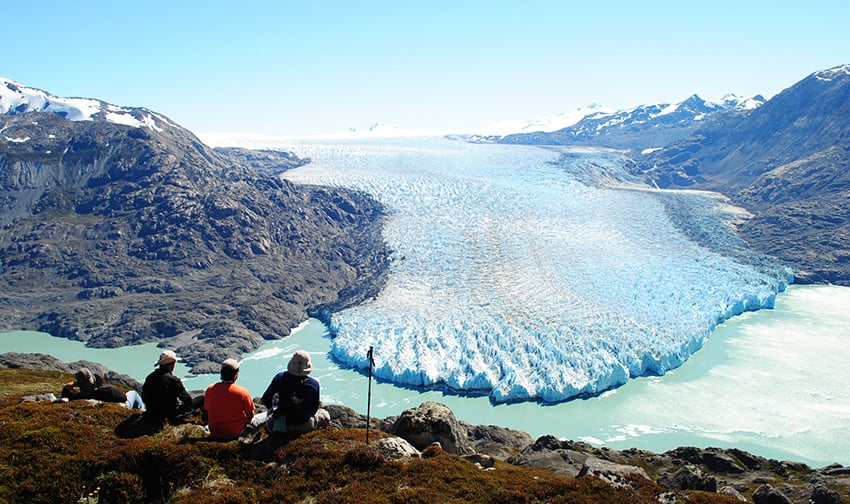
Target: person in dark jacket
[
  {"x": 90, "y": 386},
  {"x": 298, "y": 406},
  {"x": 164, "y": 395}
]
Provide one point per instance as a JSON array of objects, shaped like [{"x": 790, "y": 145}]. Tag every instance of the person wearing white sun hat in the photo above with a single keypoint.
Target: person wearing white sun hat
[{"x": 298, "y": 395}]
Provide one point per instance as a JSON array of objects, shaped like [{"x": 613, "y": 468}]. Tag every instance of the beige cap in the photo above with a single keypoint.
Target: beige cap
[{"x": 166, "y": 357}]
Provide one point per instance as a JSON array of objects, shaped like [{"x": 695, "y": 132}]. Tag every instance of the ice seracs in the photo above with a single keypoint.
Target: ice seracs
[{"x": 535, "y": 274}]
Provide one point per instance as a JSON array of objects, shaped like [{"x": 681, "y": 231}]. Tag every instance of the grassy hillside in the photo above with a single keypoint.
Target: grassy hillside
[{"x": 56, "y": 453}]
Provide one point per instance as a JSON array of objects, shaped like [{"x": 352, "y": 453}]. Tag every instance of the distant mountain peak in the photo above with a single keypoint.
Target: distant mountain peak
[
  {"x": 16, "y": 98},
  {"x": 832, "y": 73},
  {"x": 640, "y": 128}
]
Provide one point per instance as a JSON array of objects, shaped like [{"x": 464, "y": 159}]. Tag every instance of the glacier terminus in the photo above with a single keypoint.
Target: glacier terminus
[{"x": 535, "y": 273}]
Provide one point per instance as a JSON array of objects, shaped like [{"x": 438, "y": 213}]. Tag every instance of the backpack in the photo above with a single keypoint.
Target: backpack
[
  {"x": 288, "y": 410},
  {"x": 292, "y": 405}
]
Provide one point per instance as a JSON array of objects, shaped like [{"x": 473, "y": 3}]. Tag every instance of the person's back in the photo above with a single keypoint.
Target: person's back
[
  {"x": 90, "y": 386},
  {"x": 229, "y": 406},
  {"x": 298, "y": 396},
  {"x": 163, "y": 393}
]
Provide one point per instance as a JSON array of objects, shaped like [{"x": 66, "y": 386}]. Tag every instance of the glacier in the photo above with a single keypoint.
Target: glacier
[{"x": 534, "y": 274}]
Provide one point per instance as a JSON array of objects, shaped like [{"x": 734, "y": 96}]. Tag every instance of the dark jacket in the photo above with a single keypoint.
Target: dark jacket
[
  {"x": 100, "y": 392},
  {"x": 303, "y": 391},
  {"x": 164, "y": 396}
]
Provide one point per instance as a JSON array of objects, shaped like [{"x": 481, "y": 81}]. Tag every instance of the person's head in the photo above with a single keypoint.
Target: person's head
[
  {"x": 229, "y": 370},
  {"x": 299, "y": 364},
  {"x": 85, "y": 380},
  {"x": 167, "y": 359}
]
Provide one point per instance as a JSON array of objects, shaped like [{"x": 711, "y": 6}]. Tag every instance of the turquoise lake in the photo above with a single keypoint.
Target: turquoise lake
[{"x": 771, "y": 382}]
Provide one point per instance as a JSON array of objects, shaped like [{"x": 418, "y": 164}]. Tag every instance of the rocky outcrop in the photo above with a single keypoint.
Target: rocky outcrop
[
  {"x": 499, "y": 442},
  {"x": 117, "y": 235},
  {"x": 733, "y": 472},
  {"x": 265, "y": 161}
]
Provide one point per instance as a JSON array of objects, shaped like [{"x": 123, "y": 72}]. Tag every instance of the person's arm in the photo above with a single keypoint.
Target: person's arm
[
  {"x": 248, "y": 406},
  {"x": 183, "y": 396},
  {"x": 173, "y": 384},
  {"x": 313, "y": 399},
  {"x": 70, "y": 391},
  {"x": 268, "y": 395}
]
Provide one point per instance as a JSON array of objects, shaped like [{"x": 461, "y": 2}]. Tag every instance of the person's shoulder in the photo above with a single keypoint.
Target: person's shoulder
[{"x": 240, "y": 389}]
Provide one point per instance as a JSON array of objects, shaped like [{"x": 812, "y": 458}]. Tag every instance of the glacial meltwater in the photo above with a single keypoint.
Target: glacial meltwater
[{"x": 771, "y": 382}]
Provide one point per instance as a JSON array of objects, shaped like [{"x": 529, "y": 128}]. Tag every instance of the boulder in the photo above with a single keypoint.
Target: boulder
[
  {"x": 727, "y": 490},
  {"x": 343, "y": 417},
  {"x": 766, "y": 494},
  {"x": 823, "y": 495},
  {"x": 495, "y": 441},
  {"x": 396, "y": 448},
  {"x": 552, "y": 454},
  {"x": 615, "y": 474},
  {"x": 689, "y": 478},
  {"x": 430, "y": 422}
]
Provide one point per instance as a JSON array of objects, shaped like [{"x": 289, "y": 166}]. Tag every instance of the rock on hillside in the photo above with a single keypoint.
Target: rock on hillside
[
  {"x": 788, "y": 162},
  {"x": 116, "y": 235}
]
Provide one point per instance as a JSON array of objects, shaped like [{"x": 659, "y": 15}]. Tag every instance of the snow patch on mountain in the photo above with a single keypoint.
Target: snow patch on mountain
[{"x": 16, "y": 98}]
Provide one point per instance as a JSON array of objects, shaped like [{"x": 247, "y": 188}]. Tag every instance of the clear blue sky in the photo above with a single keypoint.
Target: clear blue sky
[{"x": 308, "y": 67}]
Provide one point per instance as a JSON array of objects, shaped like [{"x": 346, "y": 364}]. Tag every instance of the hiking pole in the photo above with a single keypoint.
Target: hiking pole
[{"x": 369, "y": 395}]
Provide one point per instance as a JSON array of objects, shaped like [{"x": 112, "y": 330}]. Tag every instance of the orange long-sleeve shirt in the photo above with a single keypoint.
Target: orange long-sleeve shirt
[{"x": 229, "y": 408}]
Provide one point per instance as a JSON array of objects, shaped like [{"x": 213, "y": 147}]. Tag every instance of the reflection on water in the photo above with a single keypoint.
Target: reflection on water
[{"x": 770, "y": 382}]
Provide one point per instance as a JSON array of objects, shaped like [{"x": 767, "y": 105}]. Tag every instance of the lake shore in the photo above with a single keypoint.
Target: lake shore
[{"x": 755, "y": 386}]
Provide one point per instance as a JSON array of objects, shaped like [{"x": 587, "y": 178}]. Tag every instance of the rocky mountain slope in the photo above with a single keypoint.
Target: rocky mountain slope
[
  {"x": 122, "y": 232},
  {"x": 787, "y": 162}
]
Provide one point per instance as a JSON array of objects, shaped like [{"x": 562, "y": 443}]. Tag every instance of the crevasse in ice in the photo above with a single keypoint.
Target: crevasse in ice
[{"x": 535, "y": 274}]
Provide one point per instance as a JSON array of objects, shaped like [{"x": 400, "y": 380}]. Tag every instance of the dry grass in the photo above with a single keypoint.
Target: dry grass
[{"x": 55, "y": 453}]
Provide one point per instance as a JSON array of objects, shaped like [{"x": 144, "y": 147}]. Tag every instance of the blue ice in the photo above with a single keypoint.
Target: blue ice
[{"x": 530, "y": 273}]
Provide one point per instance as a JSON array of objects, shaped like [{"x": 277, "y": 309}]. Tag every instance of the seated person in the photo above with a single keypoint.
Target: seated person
[
  {"x": 229, "y": 406},
  {"x": 164, "y": 395},
  {"x": 298, "y": 410},
  {"x": 90, "y": 386}
]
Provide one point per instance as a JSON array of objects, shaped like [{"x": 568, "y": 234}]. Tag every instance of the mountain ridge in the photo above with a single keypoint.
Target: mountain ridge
[
  {"x": 788, "y": 163},
  {"x": 116, "y": 234},
  {"x": 644, "y": 126}
]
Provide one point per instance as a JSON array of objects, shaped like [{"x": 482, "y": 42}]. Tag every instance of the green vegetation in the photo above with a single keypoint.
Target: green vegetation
[{"x": 68, "y": 452}]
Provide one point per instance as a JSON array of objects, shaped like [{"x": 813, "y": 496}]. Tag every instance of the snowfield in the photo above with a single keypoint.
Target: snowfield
[{"x": 529, "y": 273}]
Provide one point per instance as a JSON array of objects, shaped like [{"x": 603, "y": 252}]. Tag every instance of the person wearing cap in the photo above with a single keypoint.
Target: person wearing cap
[
  {"x": 90, "y": 386},
  {"x": 164, "y": 395},
  {"x": 298, "y": 398},
  {"x": 229, "y": 406}
]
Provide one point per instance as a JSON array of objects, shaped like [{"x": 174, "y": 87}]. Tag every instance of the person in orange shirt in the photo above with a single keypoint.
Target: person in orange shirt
[{"x": 229, "y": 406}]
